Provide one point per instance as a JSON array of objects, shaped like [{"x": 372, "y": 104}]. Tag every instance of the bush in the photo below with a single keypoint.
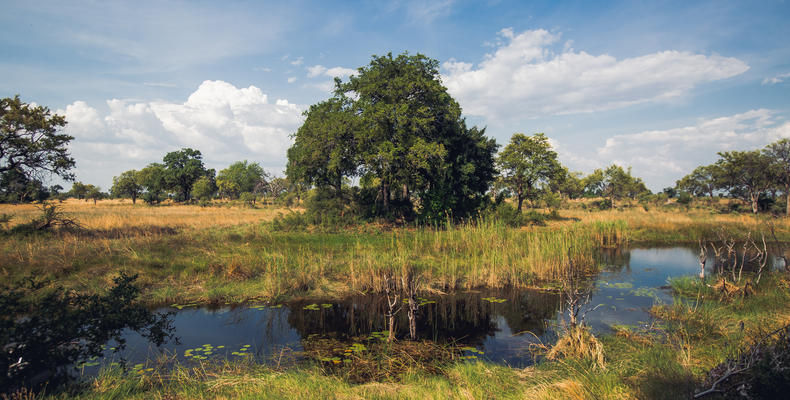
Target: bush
[
  {"x": 43, "y": 331},
  {"x": 684, "y": 198},
  {"x": 508, "y": 215},
  {"x": 603, "y": 204},
  {"x": 248, "y": 199},
  {"x": 324, "y": 210}
]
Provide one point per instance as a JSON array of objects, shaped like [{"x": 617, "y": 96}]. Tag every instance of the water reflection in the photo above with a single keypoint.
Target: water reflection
[{"x": 502, "y": 323}]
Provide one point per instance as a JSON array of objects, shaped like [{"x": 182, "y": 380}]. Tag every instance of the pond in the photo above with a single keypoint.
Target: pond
[{"x": 496, "y": 325}]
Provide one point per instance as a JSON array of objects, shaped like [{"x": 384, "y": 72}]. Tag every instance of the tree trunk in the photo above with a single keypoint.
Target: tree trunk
[
  {"x": 385, "y": 194},
  {"x": 787, "y": 200},
  {"x": 134, "y": 198},
  {"x": 754, "y": 198},
  {"x": 520, "y": 200}
]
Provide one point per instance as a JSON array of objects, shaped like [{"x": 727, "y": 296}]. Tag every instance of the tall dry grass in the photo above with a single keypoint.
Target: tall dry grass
[{"x": 122, "y": 214}]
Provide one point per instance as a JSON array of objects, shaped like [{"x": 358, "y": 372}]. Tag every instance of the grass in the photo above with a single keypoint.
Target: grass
[
  {"x": 225, "y": 254},
  {"x": 190, "y": 254},
  {"x": 666, "y": 361}
]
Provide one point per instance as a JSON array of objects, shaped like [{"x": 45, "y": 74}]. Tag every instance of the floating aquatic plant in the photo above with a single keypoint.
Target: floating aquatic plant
[{"x": 494, "y": 300}]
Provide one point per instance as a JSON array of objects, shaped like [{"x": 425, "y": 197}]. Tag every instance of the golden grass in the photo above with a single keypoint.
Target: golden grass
[
  {"x": 122, "y": 214},
  {"x": 578, "y": 342}
]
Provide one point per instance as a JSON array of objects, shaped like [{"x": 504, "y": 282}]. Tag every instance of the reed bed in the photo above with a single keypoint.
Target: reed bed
[
  {"x": 251, "y": 261},
  {"x": 221, "y": 254}
]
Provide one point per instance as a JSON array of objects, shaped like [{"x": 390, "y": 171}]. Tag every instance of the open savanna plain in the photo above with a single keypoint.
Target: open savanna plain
[{"x": 227, "y": 253}]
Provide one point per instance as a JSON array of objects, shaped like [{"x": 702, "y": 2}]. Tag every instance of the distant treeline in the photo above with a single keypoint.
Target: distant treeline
[{"x": 390, "y": 143}]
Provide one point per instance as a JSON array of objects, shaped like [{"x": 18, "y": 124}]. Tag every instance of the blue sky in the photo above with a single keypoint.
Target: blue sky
[{"x": 659, "y": 86}]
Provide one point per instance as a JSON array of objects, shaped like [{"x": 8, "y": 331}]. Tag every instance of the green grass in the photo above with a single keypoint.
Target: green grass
[
  {"x": 666, "y": 361},
  {"x": 252, "y": 261}
]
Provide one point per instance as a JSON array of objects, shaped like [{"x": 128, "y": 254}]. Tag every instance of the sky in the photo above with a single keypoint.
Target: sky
[{"x": 660, "y": 86}]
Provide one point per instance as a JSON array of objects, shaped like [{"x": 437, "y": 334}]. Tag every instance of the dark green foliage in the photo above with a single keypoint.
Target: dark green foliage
[
  {"x": 154, "y": 179},
  {"x": 745, "y": 175},
  {"x": 127, "y": 185},
  {"x": 684, "y": 198},
  {"x": 459, "y": 190},
  {"x": 238, "y": 178},
  {"x": 670, "y": 192},
  {"x": 44, "y": 331},
  {"x": 78, "y": 190},
  {"x": 183, "y": 168},
  {"x": 395, "y": 127},
  {"x": 527, "y": 165},
  {"x": 30, "y": 142},
  {"x": 508, "y": 215},
  {"x": 18, "y": 188},
  {"x": 204, "y": 189},
  {"x": 603, "y": 204}
]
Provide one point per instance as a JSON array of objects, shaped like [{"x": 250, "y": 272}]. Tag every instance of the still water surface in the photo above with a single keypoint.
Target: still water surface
[{"x": 501, "y": 324}]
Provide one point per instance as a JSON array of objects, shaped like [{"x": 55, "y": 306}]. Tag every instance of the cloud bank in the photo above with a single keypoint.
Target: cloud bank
[
  {"x": 224, "y": 122},
  {"x": 525, "y": 78},
  {"x": 662, "y": 156}
]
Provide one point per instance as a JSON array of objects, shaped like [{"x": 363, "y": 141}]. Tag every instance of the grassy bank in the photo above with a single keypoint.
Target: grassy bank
[
  {"x": 665, "y": 361},
  {"x": 220, "y": 254}
]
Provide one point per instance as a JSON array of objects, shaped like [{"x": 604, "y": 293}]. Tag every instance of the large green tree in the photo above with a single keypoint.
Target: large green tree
[
  {"x": 526, "y": 165},
  {"x": 184, "y": 167},
  {"x": 746, "y": 175},
  {"x": 325, "y": 149},
  {"x": 127, "y": 184},
  {"x": 395, "y": 126},
  {"x": 31, "y": 143},
  {"x": 240, "y": 177}
]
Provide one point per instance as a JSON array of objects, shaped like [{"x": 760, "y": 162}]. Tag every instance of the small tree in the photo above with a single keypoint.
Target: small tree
[
  {"x": 526, "y": 164},
  {"x": 700, "y": 182},
  {"x": 93, "y": 193},
  {"x": 779, "y": 155},
  {"x": 78, "y": 190},
  {"x": 745, "y": 175},
  {"x": 127, "y": 184},
  {"x": 154, "y": 179},
  {"x": 239, "y": 177},
  {"x": 204, "y": 189}
]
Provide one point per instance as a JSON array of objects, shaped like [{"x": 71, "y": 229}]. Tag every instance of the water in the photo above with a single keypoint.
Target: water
[{"x": 500, "y": 324}]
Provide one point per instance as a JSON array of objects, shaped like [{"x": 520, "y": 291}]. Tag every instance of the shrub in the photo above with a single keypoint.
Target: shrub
[
  {"x": 507, "y": 214},
  {"x": 43, "y": 331},
  {"x": 603, "y": 204}
]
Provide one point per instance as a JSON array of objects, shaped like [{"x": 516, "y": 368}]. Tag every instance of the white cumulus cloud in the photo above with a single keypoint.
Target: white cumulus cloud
[
  {"x": 320, "y": 70},
  {"x": 224, "y": 122},
  {"x": 662, "y": 156},
  {"x": 525, "y": 77}
]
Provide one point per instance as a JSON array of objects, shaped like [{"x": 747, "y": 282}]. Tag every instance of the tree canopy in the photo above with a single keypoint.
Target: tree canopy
[
  {"x": 31, "y": 144},
  {"x": 394, "y": 126},
  {"x": 527, "y": 164},
  {"x": 127, "y": 184},
  {"x": 240, "y": 177},
  {"x": 183, "y": 168}
]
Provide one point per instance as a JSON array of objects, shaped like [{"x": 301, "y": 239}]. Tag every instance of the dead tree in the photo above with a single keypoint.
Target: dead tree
[
  {"x": 409, "y": 284},
  {"x": 393, "y": 297}
]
